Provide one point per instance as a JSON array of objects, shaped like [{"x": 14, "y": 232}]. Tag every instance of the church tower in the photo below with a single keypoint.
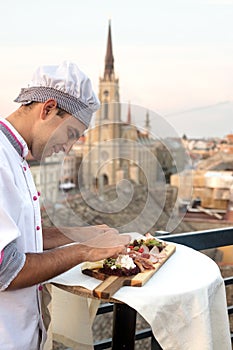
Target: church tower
[
  {"x": 105, "y": 135},
  {"x": 114, "y": 150}
]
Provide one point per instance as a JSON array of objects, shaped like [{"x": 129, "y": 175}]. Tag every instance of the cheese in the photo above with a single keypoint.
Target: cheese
[
  {"x": 125, "y": 261},
  {"x": 92, "y": 265}
]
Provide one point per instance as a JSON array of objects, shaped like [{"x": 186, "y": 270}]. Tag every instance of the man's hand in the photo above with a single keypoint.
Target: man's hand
[{"x": 105, "y": 245}]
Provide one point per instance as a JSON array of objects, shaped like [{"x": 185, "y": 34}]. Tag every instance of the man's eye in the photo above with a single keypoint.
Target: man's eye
[{"x": 73, "y": 134}]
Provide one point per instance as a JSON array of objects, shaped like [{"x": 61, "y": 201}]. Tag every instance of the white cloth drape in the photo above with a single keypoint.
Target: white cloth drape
[{"x": 184, "y": 302}]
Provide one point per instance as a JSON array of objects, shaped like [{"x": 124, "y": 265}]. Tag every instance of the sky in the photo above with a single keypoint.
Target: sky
[{"x": 172, "y": 57}]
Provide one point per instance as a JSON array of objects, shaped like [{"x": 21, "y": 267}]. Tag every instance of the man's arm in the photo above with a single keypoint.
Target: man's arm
[
  {"x": 54, "y": 237},
  {"x": 40, "y": 267}
]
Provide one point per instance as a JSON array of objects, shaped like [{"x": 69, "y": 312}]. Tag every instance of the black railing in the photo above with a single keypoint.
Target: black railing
[{"x": 199, "y": 240}]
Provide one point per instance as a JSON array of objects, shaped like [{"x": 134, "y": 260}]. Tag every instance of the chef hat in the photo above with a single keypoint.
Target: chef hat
[{"x": 68, "y": 85}]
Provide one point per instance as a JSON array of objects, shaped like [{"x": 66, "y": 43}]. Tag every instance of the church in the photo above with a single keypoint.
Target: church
[{"x": 115, "y": 149}]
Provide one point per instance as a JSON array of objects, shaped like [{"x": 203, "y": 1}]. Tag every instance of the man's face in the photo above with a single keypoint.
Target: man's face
[{"x": 58, "y": 133}]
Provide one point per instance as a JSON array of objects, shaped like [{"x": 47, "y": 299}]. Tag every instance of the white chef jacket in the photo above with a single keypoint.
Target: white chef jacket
[{"x": 21, "y": 325}]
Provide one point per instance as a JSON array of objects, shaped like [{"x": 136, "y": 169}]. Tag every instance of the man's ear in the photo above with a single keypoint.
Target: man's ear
[{"x": 48, "y": 107}]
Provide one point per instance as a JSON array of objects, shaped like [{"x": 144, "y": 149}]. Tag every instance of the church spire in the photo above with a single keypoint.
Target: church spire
[
  {"x": 129, "y": 114},
  {"x": 109, "y": 59},
  {"x": 147, "y": 122}
]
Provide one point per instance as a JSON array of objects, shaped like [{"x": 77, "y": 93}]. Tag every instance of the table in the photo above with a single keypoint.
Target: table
[{"x": 184, "y": 303}]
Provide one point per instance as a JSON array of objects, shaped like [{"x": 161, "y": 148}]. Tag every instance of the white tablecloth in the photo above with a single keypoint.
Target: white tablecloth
[{"x": 184, "y": 302}]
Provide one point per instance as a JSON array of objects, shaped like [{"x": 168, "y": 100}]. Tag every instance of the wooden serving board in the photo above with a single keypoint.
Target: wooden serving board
[{"x": 111, "y": 284}]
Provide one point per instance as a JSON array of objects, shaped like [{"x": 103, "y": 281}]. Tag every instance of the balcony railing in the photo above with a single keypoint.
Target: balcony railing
[{"x": 199, "y": 240}]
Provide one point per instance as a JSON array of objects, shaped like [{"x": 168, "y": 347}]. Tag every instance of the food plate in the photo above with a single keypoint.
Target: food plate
[{"x": 111, "y": 284}]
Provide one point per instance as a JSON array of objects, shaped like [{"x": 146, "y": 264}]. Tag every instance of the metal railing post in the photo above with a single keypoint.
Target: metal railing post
[
  {"x": 154, "y": 344},
  {"x": 124, "y": 325}
]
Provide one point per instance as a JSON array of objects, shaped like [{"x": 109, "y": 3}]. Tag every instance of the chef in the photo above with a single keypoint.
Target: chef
[{"x": 54, "y": 111}]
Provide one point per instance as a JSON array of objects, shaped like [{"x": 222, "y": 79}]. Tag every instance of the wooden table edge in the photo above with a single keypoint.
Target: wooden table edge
[{"x": 83, "y": 292}]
